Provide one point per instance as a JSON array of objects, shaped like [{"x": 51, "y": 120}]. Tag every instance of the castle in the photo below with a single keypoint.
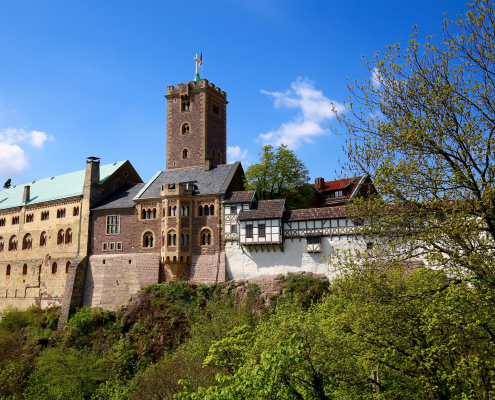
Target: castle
[{"x": 95, "y": 236}]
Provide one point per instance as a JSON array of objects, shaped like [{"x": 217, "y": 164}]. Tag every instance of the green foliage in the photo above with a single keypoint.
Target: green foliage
[
  {"x": 253, "y": 290},
  {"x": 280, "y": 175},
  {"x": 307, "y": 288}
]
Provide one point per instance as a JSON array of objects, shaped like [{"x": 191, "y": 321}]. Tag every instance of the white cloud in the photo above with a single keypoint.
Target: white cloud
[
  {"x": 13, "y": 159},
  {"x": 375, "y": 77},
  {"x": 314, "y": 108},
  {"x": 235, "y": 153}
]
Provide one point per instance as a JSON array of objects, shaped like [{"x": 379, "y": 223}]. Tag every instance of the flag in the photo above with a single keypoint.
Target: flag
[{"x": 201, "y": 59}]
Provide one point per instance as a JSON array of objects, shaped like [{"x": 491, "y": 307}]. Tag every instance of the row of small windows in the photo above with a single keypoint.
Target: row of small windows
[
  {"x": 261, "y": 230},
  {"x": 206, "y": 210},
  {"x": 149, "y": 213},
  {"x": 8, "y": 270},
  {"x": 63, "y": 237},
  {"x": 184, "y": 211},
  {"x": 45, "y": 215},
  {"x": 186, "y": 106}
]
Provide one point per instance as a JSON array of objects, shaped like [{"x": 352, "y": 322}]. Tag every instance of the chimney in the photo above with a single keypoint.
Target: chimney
[
  {"x": 92, "y": 171},
  {"x": 7, "y": 184},
  {"x": 208, "y": 165},
  {"x": 26, "y": 195},
  {"x": 320, "y": 184}
]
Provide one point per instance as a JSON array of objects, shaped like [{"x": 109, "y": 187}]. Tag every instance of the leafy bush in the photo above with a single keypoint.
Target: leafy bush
[{"x": 307, "y": 288}]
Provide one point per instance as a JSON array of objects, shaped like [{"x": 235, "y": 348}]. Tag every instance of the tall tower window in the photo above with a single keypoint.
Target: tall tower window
[
  {"x": 216, "y": 109},
  {"x": 186, "y": 106},
  {"x": 185, "y": 129},
  {"x": 185, "y": 153}
]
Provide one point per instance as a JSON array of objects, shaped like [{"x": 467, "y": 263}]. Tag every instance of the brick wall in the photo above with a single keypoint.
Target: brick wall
[
  {"x": 208, "y": 268},
  {"x": 112, "y": 279}
]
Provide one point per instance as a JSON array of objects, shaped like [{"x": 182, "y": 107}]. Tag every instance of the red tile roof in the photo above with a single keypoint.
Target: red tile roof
[
  {"x": 338, "y": 184},
  {"x": 263, "y": 209},
  {"x": 240, "y": 197},
  {"x": 316, "y": 213}
]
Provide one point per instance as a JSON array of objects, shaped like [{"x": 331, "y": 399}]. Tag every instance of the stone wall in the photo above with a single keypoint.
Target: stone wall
[
  {"x": 111, "y": 279},
  {"x": 210, "y": 268}
]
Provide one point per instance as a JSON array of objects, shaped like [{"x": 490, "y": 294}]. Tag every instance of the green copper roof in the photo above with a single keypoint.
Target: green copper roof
[{"x": 54, "y": 188}]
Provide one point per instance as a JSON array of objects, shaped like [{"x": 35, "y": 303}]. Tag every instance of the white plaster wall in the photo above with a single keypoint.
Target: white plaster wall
[{"x": 294, "y": 258}]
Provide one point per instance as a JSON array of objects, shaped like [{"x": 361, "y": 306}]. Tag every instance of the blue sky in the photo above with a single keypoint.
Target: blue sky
[{"x": 87, "y": 78}]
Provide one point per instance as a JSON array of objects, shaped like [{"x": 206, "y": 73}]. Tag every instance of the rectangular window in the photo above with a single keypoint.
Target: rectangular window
[
  {"x": 112, "y": 246},
  {"x": 249, "y": 231},
  {"x": 2, "y": 222},
  {"x": 119, "y": 246},
  {"x": 313, "y": 240},
  {"x": 261, "y": 230},
  {"x": 233, "y": 228},
  {"x": 105, "y": 246},
  {"x": 233, "y": 209},
  {"x": 113, "y": 224}
]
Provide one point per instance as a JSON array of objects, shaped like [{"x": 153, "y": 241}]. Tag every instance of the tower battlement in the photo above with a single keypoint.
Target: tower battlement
[{"x": 186, "y": 88}]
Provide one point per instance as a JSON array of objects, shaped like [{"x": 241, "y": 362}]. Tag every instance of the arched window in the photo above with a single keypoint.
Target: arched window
[
  {"x": 212, "y": 210},
  {"x": 206, "y": 238},
  {"x": 207, "y": 210},
  {"x": 13, "y": 243},
  {"x": 154, "y": 213},
  {"x": 1, "y": 244},
  {"x": 182, "y": 240},
  {"x": 7, "y": 271},
  {"x": 200, "y": 211},
  {"x": 143, "y": 214},
  {"x": 184, "y": 153},
  {"x": 67, "y": 267},
  {"x": 187, "y": 239},
  {"x": 185, "y": 129},
  {"x": 187, "y": 211},
  {"x": 174, "y": 211},
  {"x": 43, "y": 239},
  {"x": 219, "y": 157},
  {"x": 60, "y": 236},
  {"x": 150, "y": 214},
  {"x": 24, "y": 269},
  {"x": 75, "y": 213},
  {"x": 148, "y": 239},
  {"x": 186, "y": 106},
  {"x": 27, "y": 242},
  {"x": 45, "y": 215},
  {"x": 68, "y": 236},
  {"x": 213, "y": 155},
  {"x": 169, "y": 211},
  {"x": 54, "y": 268},
  {"x": 172, "y": 239}
]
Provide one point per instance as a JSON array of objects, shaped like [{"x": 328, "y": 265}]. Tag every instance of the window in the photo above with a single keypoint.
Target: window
[
  {"x": 15, "y": 220},
  {"x": 213, "y": 155},
  {"x": 219, "y": 157},
  {"x": 261, "y": 230},
  {"x": 7, "y": 271},
  {"x": 184, "y": 239},
  {"x": 13, "y": 243},
  {"x": 148, "y": 239},
  {"x": 105, "y": 246},
  {"x": 29, "y": 217},
  {"x": 334, "y": 194},
  {"x": 45, "y": 215},
  {"x": 75, "y": 212},
  {"x": 206, "y": 238},
  {"x": 200, "y": 211},
  {"x": 113, "y": 224},
  {"x": 249, "y": 231},
  {"x": 67, "y": 265},
  {"x": 233, "y": 209},
  {"x": 233, "y": 228},
  {"x": 184, "y": 211},
  {"x": 212, "y": 210},
  {"x": 216, "y": 109},
  {"x": 2, "y": 221},
  {"x": 60, "y": 236},
  {"x": 172, "y": 239},
  {"x": 186, "y": 106},
  {"x": 185, "y": 129},
  {"x": 27, "y": 242},
  {"x": 43, "y": 239},
  {"x": 154, "y": 213},
  {"x": 119, "y": 246},
  {"x": 112, "y": 246},
  {"x": 207, "y": 210},
  {"x": 184, "y": 153},
  {"x": 1, "y": 243},
  {"x": 314, "y": 240},
  {"x": 61, "y": 213},
  {"x": 24, "y": 269},
  {"x": 54, "y": 268},
  {"x": 68, "y": 236}
]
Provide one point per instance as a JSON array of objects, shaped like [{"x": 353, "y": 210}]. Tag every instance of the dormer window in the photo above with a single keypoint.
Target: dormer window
[{"x": 335, "y": 194}]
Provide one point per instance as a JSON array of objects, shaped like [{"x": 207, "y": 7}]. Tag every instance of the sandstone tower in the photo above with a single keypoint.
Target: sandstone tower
[{"x": 196, "y": 125}]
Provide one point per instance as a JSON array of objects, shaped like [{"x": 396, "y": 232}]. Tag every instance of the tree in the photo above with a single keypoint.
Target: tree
[
  {"x": 280, "y": 175},
  {"x": 425, "y": 135}
]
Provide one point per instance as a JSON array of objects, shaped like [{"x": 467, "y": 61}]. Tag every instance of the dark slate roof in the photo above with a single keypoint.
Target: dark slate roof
[
  {"x": 240, "y": 197},
  {"x": 214, "y": 181},
  {"x": 315, "y": 213},
  {"x": 263, "y": 209},
  {"x": 121, "y": 198}
]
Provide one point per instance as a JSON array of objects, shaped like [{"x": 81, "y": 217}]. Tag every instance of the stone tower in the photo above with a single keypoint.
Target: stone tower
[{"x": 196, "y": 125}]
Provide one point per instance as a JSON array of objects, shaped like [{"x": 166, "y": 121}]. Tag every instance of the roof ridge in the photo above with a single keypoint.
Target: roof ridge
[{"x": 143, "y": 189}]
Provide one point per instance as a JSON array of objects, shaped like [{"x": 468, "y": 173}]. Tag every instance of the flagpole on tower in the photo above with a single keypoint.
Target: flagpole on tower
[{"x": 201, "y": 63}]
